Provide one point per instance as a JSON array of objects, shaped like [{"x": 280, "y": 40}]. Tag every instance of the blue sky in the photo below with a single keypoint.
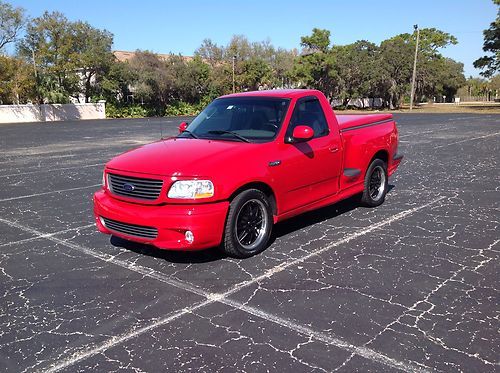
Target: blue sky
[{"x": 180, "y": 26}]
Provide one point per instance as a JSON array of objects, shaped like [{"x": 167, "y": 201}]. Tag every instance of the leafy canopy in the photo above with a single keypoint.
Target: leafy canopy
[{"x": 490, "y": 63}]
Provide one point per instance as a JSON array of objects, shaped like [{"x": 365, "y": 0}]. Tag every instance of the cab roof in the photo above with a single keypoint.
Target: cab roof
[{"x": 279, "y": 93}]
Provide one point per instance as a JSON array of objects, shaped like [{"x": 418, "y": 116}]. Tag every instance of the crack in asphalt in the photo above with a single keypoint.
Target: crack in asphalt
[{"x": 223, "y": 297}]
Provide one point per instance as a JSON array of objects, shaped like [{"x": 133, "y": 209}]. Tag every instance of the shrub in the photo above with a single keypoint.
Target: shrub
[
  {"x": 132, "y": 111},
  {"x": 182, "y": 108},
  {"x": 141, "y": 111}
]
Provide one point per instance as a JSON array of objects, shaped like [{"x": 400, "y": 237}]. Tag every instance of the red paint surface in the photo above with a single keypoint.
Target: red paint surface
[
  {"x": 348, "y": 121},
  {"x": 309, "y": 175}
]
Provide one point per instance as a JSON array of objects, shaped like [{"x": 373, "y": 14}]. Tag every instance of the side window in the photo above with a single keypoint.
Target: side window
[{"x": 308, "y": 112}]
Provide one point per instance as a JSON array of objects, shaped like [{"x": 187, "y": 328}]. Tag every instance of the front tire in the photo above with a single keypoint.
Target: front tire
[
  {"x": 248, "y": 225},
  {"x": 376, "y": 183}
]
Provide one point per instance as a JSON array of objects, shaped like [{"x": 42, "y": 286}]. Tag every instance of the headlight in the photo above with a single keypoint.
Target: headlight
[
  {"x": 103, "y": 179},
  {"x": 191, "y": 189}
]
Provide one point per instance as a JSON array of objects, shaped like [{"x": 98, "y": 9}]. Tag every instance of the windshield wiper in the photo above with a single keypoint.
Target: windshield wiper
[
  {"x": 237, "y": 135},
  {"x": 190, "y": 133}
]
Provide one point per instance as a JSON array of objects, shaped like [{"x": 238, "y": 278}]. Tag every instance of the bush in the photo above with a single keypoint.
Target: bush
[
  {"x": 132, "y": 111},
  {"x": 182, "y": 108},
  {"x": 141, "y": 111}
]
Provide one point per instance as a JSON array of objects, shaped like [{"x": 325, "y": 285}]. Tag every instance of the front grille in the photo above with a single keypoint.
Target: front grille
[
  {"x": 130, "y": 229},
  {"x": 135, "y": 187}
]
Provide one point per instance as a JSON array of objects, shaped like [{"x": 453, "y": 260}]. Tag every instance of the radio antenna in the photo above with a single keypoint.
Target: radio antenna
[{"x": 161, "y": 130}]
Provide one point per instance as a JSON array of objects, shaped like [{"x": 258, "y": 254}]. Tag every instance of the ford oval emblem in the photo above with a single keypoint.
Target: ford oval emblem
[{"x": 128, "y": 187}]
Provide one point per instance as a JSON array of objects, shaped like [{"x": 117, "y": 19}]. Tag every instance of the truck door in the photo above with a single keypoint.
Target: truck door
[{"x": 309, "y": 171}]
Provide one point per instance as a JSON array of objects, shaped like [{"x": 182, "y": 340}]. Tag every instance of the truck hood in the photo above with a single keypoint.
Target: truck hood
[{"x": 180, "y": 157}]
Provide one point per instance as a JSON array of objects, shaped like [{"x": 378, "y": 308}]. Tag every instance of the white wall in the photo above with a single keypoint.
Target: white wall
[
  {"x": 360, "y": 102},
  {"x": 19, "y": 113},
  {"x": 51, "y": 112}
]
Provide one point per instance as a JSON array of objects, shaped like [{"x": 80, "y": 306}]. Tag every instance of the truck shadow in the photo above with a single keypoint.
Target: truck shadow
[
  {"x": 313, "y": 217},
  {"x": 201, "y": 256},
  {"x": 214, "y": 254}
]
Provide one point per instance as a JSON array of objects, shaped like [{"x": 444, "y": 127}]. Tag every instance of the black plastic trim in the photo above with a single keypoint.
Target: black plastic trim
[
  {"x": 352, "y": 172},
  {"x": 397, "y": 157},
  {"x": 367, "y": 125}
]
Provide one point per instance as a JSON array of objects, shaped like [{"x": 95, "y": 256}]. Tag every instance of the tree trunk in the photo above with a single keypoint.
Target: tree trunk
[{"x": 88, "y": 87}]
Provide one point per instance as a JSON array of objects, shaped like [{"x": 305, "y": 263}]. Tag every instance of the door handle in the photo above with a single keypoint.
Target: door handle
[{"x": 334, "y": 148}]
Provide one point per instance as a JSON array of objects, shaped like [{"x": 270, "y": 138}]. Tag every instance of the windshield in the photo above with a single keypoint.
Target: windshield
[{"x": 249, "y": 119}]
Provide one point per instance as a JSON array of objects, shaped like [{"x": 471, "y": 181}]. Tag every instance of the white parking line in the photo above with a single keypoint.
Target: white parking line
[
  {"x": 307, "y": 331},
  {"x": 51, "y": 192},
  {"x": 53, "y": 169},
  {"x": 417, "y": 134},
  {"x": 222, "y": 297},
  {"x": 466, "y": 140},
  {"x": 45, "y": 235}
]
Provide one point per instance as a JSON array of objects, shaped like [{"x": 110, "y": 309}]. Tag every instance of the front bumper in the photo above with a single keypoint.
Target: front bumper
[{"x": 205, "y": 221}]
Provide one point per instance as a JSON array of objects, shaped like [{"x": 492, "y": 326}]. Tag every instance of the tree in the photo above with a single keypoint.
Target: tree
[
  {"x": 93, "y": 56},
  {"x": 495, "y": 83},
  {"x": 355, "y": 65},
  {"x": 430, "y": 41},
  {"x": 11, "y": 22},
  {"x": 240, "y": 47},
  {"x": 481, "y": 88},
  {"x": 241, "y": 50},
  {"x": 490, "y": 64},
  {"x": 396, "y": 57},
  {"x": 255, "y": 73},
  {"x": 314, "y": 68},
  {"x": 257, "y": 65},
  {"x": 397, "y": 54},
  {"x": 153, "y": 82},
  {"x": 475, "y": 87},
  {"x": 281, "y": 64},
  {"x": 194, "y": 82},
  {"x": 68, "y": 56},
  {"x": 436, "y": 75},
  {"x": 115, "y": 84},
  {"x": 210, "y": 52},
  {"x": 49, "y": 39},
  {"x": 17, "y": 81},
  {"x": 318, "y": 41},
  {"x": 449, "y": 78},
  {"x": 219, "y": 71}
]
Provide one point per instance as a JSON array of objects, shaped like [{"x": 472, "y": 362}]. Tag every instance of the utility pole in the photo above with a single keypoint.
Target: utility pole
[
  {"x": 414, "y": 68},
  {"x": 234, "y": 60}
]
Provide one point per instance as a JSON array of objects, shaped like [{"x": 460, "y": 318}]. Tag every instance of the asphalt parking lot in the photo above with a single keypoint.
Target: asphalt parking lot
[{"x": 411, "y": 285}]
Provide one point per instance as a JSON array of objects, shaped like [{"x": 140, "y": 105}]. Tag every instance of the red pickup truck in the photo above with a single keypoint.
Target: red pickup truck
[{"x": 246, "y": 162}]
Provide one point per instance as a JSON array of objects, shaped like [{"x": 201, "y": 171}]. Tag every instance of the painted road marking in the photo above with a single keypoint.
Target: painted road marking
[
  {"x": 54, "y": 169},
  {"x": 466, "y": 140},
  {"x": 51, "y": 192},
  {"x": 222, "y": 297},
  {"x": 45, "y": 235}
]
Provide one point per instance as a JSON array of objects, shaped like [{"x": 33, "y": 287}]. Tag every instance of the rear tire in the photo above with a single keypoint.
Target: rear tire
[
  {"x": 248, "y": 225},
  {"x": 376, "y": 183}
]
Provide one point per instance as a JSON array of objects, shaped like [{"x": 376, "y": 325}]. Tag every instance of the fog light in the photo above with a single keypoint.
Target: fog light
[{"x": 189, "y": 236}]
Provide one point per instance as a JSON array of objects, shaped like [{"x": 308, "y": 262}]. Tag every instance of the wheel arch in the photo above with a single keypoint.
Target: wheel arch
[
  {"x": 381, "y": 154},
  {"x": 264, "y": 188}
]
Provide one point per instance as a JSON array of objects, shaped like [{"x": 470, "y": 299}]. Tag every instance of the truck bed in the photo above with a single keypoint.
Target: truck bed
[{"x": 349, "y": 121}]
